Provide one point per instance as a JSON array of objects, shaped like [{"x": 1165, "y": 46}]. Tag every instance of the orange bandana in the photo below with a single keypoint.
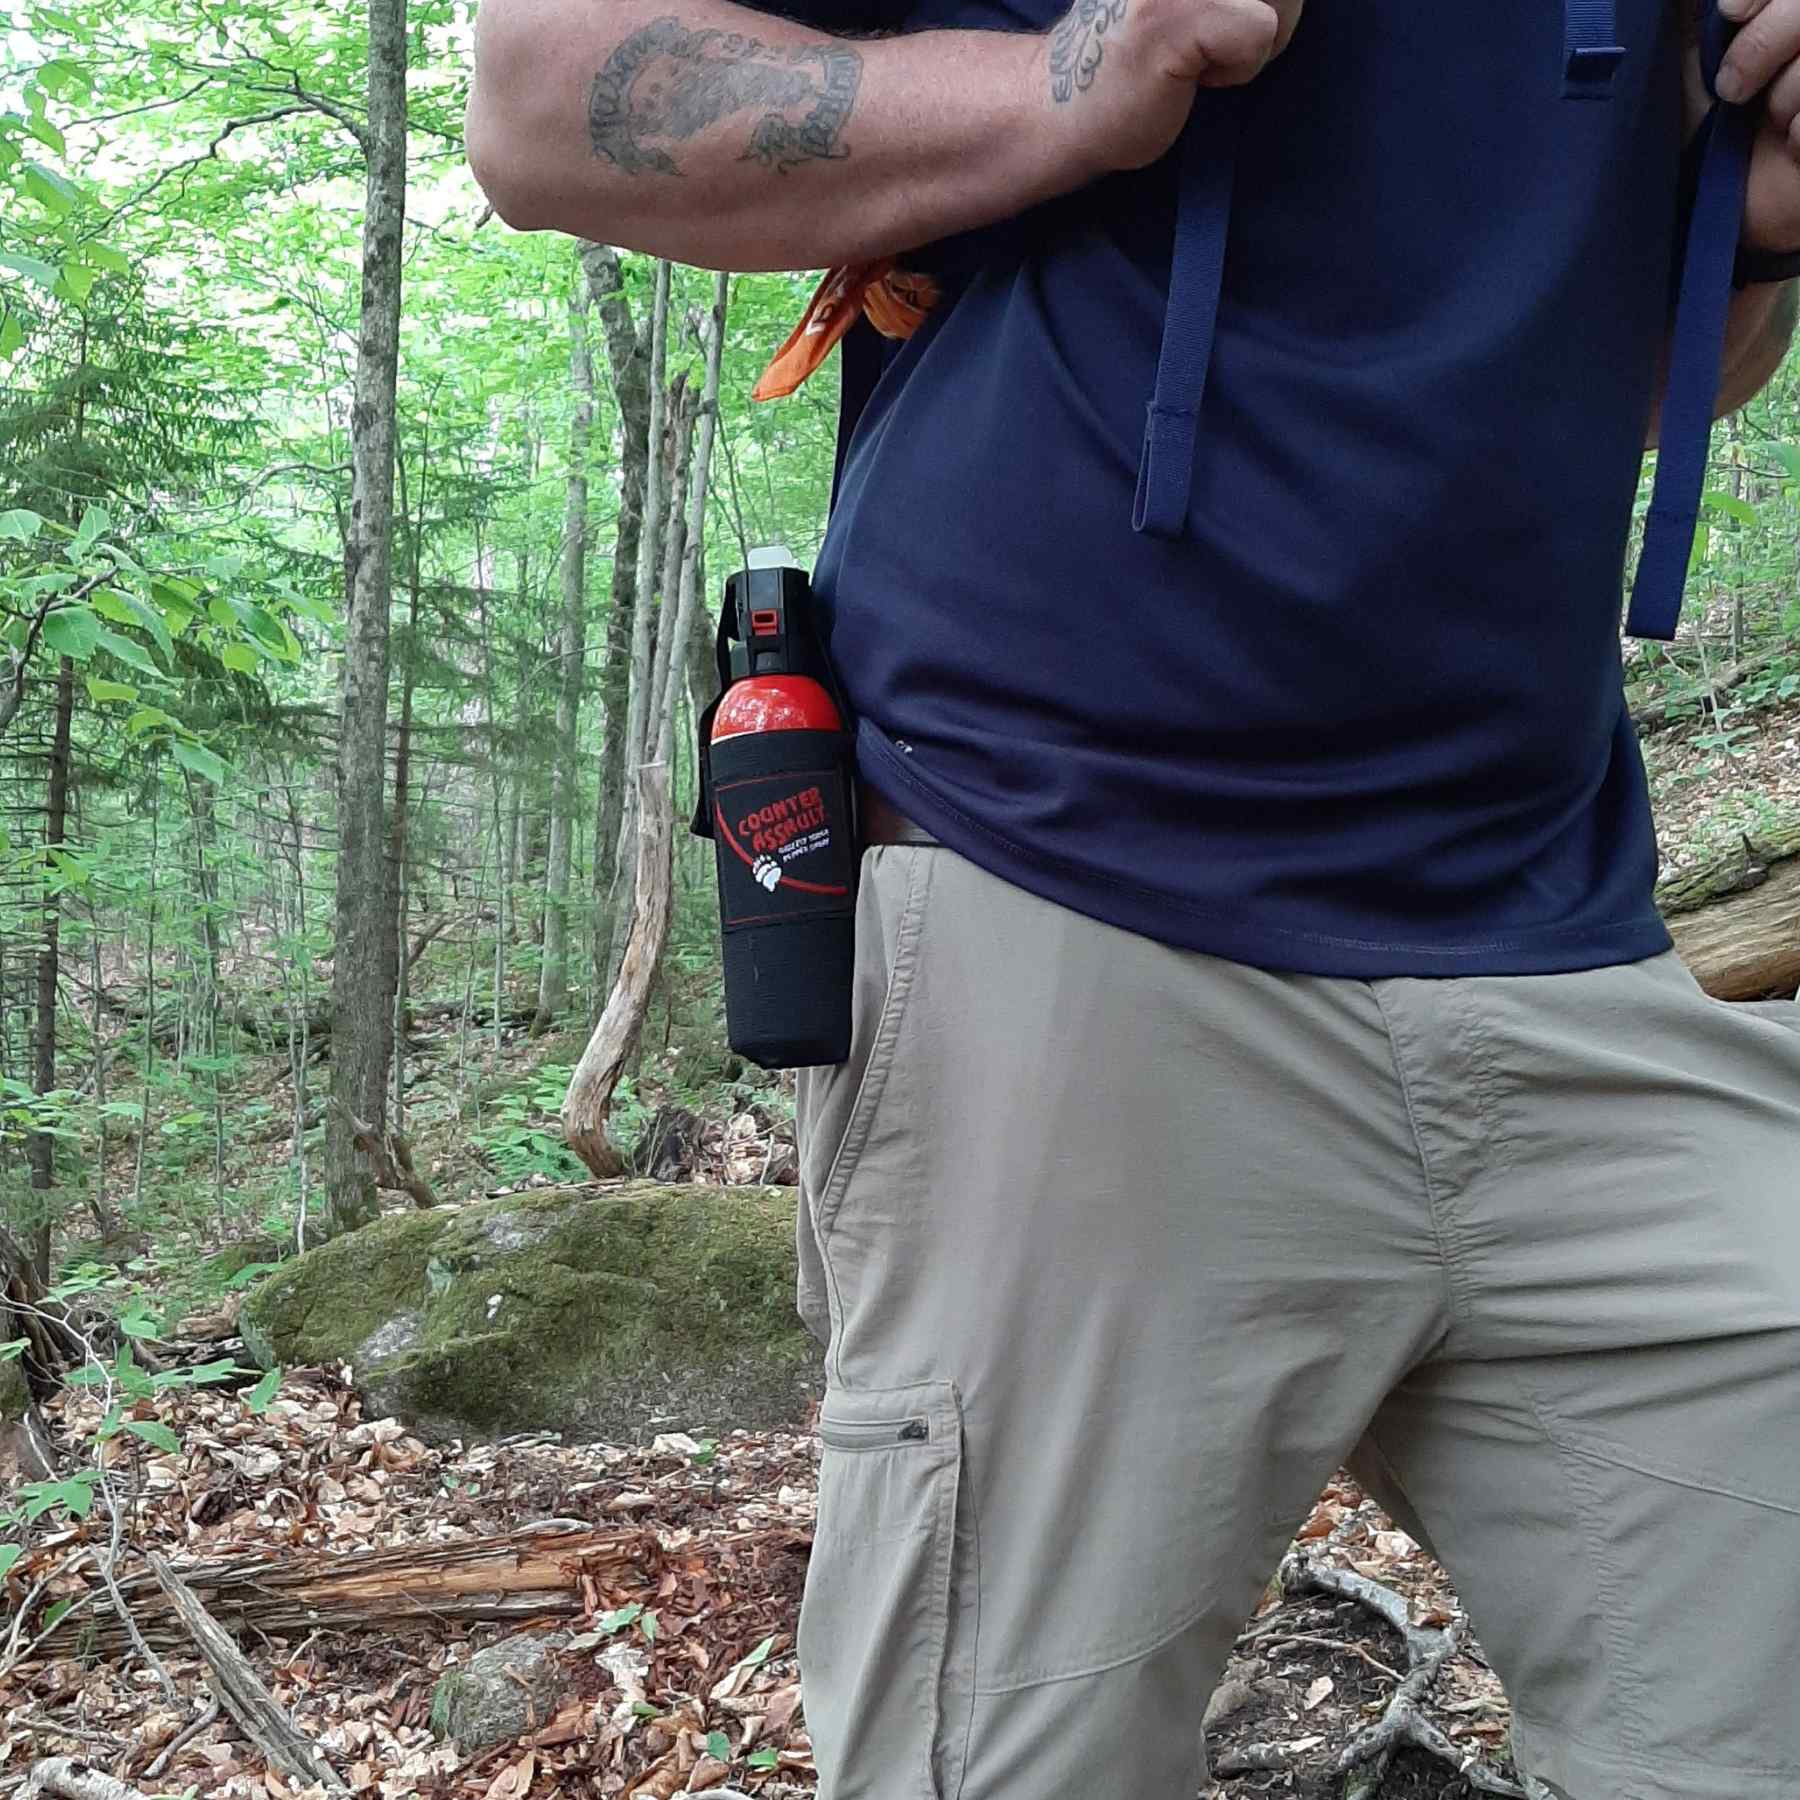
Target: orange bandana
[{"x": 895, "y": 301}]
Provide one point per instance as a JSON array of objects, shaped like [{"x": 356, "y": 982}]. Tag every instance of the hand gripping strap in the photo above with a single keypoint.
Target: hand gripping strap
[
  {"x": 1696, "y": 355},
  {"x": 1209, "y": 148}
]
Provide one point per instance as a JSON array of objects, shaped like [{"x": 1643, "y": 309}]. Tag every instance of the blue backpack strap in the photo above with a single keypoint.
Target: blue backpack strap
[
  {"x": 1696, "y": 353},
  {"x": 1209, "y": 148}
]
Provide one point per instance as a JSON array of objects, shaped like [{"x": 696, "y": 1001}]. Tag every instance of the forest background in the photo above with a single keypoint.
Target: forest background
[{"x": 356, "y": 555}]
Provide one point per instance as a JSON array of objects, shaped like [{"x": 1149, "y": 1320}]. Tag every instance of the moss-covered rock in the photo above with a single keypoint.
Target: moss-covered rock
[
  {"x": 599, "y": 1315},
  {"x": 502, "y": 1692}
]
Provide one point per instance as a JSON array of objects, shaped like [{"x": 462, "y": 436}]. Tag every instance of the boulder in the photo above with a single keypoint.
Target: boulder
[
  {"x": 502, "y": 1692},
  {"x": 602, "y": 1314}
]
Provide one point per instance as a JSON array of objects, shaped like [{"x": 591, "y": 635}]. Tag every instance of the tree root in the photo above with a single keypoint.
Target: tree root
[{"x": 1364, "y": 1762}]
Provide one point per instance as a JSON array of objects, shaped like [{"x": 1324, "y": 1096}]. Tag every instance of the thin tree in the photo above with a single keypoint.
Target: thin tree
[
  {"x": 359, "y": 999},
  {"x": 649, "y": 554},
  {"x": 628, "y": 360},
  {"x": 565, "y": 785},
  {"x": 589, "y": 1099}
]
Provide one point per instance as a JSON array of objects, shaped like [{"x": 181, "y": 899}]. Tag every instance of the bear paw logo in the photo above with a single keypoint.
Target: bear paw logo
[{"x": 767, "y": 871}]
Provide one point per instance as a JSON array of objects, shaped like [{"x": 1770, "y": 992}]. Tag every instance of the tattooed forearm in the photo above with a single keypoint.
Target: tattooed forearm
[
  {"x": 1077, "y": 44},
  {"x": 666, "y": 84}
]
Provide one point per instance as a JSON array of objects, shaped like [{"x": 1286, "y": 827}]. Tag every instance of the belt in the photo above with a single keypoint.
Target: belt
[{"x": 884, "y": 823}]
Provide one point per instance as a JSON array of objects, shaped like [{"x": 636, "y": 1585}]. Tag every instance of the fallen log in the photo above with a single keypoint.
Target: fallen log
[
  {"x": 524, "y": 1575},
  {"x": 1736, "y": 918},
  {"x": 242, "y": 1692},
  {"x": 1672, "y": 709}
]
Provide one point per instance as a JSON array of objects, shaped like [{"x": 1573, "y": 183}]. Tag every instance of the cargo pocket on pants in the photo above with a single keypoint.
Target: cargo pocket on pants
[{"x": 876, "y": 1623}]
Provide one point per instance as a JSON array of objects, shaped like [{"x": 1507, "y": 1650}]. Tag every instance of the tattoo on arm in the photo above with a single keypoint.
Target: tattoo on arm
[
  {"x": 1077, "y": 44},
  {"x": 666, "y": 84}
]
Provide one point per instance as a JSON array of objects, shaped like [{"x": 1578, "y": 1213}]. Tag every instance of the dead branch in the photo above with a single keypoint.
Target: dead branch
[
  {"x": 66, "y": 1778},
  {"x": 182, "y": 1739},
  {"x": 521, "y": 1575},
  {"x": 391, "y": 1158},
  {"x": 241, "y": 1691},
  {"x": 589, "y": 1100}
]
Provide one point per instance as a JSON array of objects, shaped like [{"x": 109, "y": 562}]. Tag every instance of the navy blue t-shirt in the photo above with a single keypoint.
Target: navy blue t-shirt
[{"x": 1366, "y": 717}]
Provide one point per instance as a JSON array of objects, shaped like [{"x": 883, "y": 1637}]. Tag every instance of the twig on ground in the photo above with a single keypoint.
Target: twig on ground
[
  {"x": 1269, "y": 1645},
  {"x": 257, "y": 1712},
  {"x": 177, "y": 1744}
]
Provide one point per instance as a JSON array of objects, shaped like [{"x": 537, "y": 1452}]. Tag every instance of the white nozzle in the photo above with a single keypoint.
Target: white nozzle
[{"x": 772, "y": 556}]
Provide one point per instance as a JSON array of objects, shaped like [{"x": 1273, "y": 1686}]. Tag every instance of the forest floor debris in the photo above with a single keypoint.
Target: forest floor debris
[{"x": 684, "y": 1671}]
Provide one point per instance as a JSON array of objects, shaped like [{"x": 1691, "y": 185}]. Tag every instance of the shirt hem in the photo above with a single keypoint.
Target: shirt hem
[{"x": 1212, "y": 930}]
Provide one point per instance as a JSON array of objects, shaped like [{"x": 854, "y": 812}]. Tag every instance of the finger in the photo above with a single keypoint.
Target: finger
[
  {"x": 1236, "y": 40},
  {"x": 1761, "y": 50},
  {"x": 1784, "y": 98},
  {"x": 1738, "y": 11}
]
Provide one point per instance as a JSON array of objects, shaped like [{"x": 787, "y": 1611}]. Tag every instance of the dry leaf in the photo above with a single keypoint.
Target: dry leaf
[
  {"x": 1317, "y": 1692},
  {"x": 514, "y": 1782}
]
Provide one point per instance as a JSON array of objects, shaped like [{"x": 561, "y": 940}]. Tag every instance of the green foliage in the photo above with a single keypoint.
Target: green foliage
[{"x": 522, "y": 1141}]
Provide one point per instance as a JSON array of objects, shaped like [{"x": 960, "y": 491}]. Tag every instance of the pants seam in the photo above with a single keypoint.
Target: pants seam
[
  {"x": 1459, "y": 1302},
  {"x": 1103, "y": 1666},
  {"x": 1624, "y": 1673},
  {"x": 882, "y": 1056},
  {"x": 1694, "y": 1483}
]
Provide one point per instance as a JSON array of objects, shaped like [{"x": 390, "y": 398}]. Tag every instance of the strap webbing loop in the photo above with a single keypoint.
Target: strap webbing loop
[
  {"x": 1591, "y": 47},
  {"x": 1196, "y": 275},
  {"x": 1696, "y": 356}
]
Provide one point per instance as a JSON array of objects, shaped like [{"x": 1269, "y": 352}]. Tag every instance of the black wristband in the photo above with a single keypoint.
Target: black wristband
[{"x": 1753, "y": 268}]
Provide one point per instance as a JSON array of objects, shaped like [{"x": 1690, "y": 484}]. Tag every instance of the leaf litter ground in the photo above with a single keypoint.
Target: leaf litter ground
[{"x": 655, "y": 1695}]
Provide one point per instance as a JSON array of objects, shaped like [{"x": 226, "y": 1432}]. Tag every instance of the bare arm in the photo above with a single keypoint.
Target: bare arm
[{"x": 728, "y": 138}]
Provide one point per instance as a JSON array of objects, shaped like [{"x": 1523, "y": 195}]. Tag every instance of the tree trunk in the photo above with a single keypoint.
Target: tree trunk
[
  {"x": 360, "y": 1004},
  {"x": 683, "y": 419},
  {"x": 565, "y": 770},
  {"x": 589, "y": 1100},
  {"x": 628, "y": 358},
  {"x": 688, "y": 604},
  {"x": 41, "y": 1146},
  {"x": 393, "y": 949},
  {"x": 649, "y": 553}
]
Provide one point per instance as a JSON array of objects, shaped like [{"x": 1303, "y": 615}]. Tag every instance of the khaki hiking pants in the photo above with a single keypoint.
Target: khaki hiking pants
[{"x": 1120, "y": 1250}]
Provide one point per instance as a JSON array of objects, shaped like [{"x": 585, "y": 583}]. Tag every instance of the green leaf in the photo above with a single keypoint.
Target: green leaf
[
  {"x": 49, "y": 190},
  {"x": 147, "y": 718},
  {"x": 19, "y": 524},
  {"x": 93, "y": 522},
  {"x": 46, "y": 133},
  {"x": 12, "y": 335},
  {"x": 153, "y": 1431},
  {"x": 648, "y": 1626},
  {"x": 718, "y": 1746},
  {"x": 200, "y": 761},
  {"x": 765, "y": 1758},
  {"x": 9, "y": 1554},
  {"x": 128, "y": 650},
  {"x": 73, "y": 631},
  {"x": 31, "y": 269},
  {"x": 239, "y": 657},
  {"x": 101, "y": 691},
  {"x": 104, "y": 256},
  {"x": 619, "y": 1618},
  {"x": 76, "y": 283},
  {"x": 1730, "y": 505},
  {"x": 259, "y": 1396}
]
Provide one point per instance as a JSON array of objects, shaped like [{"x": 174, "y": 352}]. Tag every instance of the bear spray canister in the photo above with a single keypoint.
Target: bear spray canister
[{"x": 780, "y": 799}]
